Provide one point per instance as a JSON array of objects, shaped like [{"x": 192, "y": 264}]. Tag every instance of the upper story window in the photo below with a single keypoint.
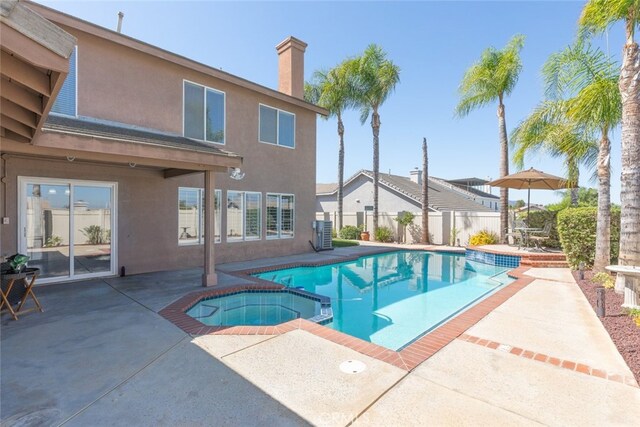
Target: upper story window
[
  {"x": 66, "y": 102},
  {"x": 277, "y": 127},
  {"x": 203, "y": 114}
]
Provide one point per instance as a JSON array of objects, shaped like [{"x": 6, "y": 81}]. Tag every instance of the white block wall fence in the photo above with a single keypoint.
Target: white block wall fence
[{"x": 442, "y": 225}]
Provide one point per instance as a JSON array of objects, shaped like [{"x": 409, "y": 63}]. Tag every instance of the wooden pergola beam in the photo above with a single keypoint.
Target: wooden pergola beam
[
  {"x": 18, "y": 113},
  {"x": 24, "y": 74},
  {"x": 21, "y": 96},
  {"x": 172, "y": 173},
  {"x": 15, "y": 126}
]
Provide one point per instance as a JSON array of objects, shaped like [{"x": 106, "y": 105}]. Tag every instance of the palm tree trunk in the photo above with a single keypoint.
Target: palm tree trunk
[
  {"x": 375, "y": 126},
  {"x": 340, "y": 170},
  {"x": 629, "y": 85},
  {"x": 603, "y": 225},
  {"x": 504, "y": 171},
  {"x": 574, "y": 179},
  {"x": 425, "y": 192}
]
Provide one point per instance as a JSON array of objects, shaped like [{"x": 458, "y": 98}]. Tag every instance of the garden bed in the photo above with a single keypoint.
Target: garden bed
[{"x": 624, "y": 332}]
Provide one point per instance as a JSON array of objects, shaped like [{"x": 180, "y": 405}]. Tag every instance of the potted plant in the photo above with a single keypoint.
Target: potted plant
[{"x": 364, "y": 234}]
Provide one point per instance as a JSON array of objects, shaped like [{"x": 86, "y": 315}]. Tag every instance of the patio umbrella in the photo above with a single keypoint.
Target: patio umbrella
[{"x": 532, "y": 178}]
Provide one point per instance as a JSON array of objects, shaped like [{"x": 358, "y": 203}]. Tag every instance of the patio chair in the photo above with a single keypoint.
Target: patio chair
[
  {"x": 540, "y": 236},
  {"x": 517, "y": 235}
]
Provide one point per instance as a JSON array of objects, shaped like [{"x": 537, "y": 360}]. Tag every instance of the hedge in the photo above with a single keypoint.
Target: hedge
[{"x": 577, "y": 231}]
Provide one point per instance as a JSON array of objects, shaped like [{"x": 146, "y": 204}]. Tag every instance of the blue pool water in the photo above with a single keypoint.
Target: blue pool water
[
  {"x": 254, "y": 308},
  {"x": 391, "y": 299}
]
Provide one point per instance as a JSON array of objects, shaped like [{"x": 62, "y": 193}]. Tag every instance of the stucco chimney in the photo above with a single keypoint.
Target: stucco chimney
[
  {"x": 416, "y": 176},
  {"x": 291, "y": 66}
]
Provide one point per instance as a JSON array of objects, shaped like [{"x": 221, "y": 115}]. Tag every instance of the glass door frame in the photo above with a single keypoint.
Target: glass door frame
[{"x": 23, "y": 181}]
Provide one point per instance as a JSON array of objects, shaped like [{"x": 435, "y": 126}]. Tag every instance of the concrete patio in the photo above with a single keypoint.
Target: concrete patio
[{"x": 101, "y": 355}]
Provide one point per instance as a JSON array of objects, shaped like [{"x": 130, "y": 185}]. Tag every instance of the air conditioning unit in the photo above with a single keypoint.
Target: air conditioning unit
[{"x": 322, "y": 235}]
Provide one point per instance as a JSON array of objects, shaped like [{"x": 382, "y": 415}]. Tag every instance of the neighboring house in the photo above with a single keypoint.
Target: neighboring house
[
  {"x": 396, "y": 194},
  {"x": 475, "y": 189},
  {"x": 533, "y": 208},
  {"x": 130, "y": 163}
]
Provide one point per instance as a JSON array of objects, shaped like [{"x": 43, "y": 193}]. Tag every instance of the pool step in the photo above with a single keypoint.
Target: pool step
[{"x": 544, "y": 263}]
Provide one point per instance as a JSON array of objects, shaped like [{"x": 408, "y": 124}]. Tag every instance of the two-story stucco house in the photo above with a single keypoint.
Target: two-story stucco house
[{"x": 118, "y": 155}]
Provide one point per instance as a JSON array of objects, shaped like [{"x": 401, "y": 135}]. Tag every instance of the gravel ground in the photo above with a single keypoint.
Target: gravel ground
[{"x": 624, "y": 332}]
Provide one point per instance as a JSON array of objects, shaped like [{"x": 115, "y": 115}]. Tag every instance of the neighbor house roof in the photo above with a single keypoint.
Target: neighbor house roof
[
  {"x": 468, "y": 181},
  {"x": 441, "y": 197},
  {"x": 326, "y": 188},
  {"x": 122, "y": 39},
  {"x": 463, "y": 188}
]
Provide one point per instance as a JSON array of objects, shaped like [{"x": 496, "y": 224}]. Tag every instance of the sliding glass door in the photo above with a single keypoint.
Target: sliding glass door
[{"x": 68, "y": 227}]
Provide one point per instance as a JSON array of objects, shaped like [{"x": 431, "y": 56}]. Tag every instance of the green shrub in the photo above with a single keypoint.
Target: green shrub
[
  {"x": 539, "y": 219},
  {"x": 405, "y": 218},
  {"x": 384, "y": 235},
  {"x": 483, "y": 237},
  {"x": 95, "y": 235},
  {"x": 577, "y": 232},
  {"x": 603, "y": 278},
  {"x": 350, "y": 232},
  {"x": 53, "y": 241}
]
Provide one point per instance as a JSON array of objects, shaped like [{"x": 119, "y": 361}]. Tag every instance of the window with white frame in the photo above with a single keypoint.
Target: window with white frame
[
  {"x": 253, "y": 216},
  {"x": 277, "y": 127},
  {"x": 66, "y": 101},
  {"x": 280, "y": 216},
  {"x": 244, "y": 215},
  {"x": 204, "y": 113},
  {"x": 191, "y": 211}
]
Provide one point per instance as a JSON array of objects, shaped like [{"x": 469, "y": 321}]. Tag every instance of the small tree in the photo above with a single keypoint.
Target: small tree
[{"x": 405, "y": 219}]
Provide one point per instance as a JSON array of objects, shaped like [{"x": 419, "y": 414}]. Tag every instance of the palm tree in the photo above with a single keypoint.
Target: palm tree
[
  {"x": 376, "y": 78},
  {"x": 548, "y": 128},
  {"x": 597, "y": 16},
  {"x": 589, "y": 80},
  {"x": 333, "y": 91},
  {"x": 493, "y": 78}
]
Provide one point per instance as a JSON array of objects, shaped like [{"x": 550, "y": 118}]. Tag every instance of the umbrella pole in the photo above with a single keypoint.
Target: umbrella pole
[{"x": 528, "y": 202}]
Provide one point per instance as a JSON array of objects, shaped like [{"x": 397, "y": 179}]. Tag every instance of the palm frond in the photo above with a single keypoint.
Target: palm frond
[
  {"x": 374, "y": 79},
  {"x": 493, "y": 76},
  {"x": 568, "y": 71},
  {"x": 598, "y": 15},
  {"x": 598, "y": 105}
]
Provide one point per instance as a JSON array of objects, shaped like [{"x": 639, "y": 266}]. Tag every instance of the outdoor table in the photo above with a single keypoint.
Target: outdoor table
[
  {"x": 525, "y": 231},
  {"x": 26, "y": 277},
  {"x": 631, "y": 298}
]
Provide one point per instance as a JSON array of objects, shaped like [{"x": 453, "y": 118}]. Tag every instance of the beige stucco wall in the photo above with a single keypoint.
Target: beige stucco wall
[
  {"x": 148, "y": 216},
  {"x": 121, "y": 84}
]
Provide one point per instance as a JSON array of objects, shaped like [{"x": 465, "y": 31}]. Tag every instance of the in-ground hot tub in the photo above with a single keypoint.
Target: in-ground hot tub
[{"x": 261, "y": 308}]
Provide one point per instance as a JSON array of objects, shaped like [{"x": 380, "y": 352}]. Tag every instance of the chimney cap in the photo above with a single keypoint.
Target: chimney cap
[{"x": 291, "y": 42}]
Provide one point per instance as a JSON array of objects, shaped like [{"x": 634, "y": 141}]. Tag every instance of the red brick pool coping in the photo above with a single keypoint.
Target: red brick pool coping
[
  {"x": 407, "y": 358},
  {"x": 555, "y": 361}
]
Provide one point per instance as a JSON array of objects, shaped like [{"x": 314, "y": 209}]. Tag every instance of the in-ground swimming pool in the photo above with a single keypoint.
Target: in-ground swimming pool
[{"x": 393, "y": 298}]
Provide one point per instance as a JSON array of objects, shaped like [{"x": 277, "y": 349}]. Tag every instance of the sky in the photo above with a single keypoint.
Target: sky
[{"x": 433, "y": 43}]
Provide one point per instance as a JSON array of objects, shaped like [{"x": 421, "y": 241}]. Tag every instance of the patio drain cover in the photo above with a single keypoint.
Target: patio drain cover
[{"x": 352, "y": 366}]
